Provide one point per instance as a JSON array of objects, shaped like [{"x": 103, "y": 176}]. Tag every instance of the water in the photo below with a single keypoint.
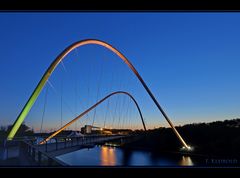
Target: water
[{"x": 115, "y": 156}]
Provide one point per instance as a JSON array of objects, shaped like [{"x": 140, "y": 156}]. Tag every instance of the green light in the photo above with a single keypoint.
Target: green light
[{"x": 27, "y": 107}]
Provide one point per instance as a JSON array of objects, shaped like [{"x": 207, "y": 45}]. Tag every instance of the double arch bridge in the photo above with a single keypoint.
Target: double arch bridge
[{"x": 24, "y": 112}]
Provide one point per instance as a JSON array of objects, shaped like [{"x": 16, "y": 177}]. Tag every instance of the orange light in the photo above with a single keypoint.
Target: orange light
[
  {"x": 186, "y": 161},
  {"x": 107, "y": 156}
]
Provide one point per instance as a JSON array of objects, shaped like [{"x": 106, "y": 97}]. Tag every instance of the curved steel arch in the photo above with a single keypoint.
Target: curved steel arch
[
  {"x": 60, "y": 57},
  {"x": 92, "y": 107}
]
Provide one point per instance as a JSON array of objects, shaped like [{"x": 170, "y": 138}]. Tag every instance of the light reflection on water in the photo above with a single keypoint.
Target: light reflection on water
[
  {"x": 108, "y": 156},
  {"x": 112, "y": 156},
  {"x": 186, "y": 161}
]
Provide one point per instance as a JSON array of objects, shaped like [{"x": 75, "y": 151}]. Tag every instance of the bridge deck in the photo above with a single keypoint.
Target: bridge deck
[
  {"x": 30, "y": 154},
  {"x": 45, "y": 154}
]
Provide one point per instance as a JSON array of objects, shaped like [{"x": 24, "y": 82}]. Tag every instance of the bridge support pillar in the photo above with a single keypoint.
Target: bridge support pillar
[
  {"x": 39, "y": 157},
  {"x": 33, "y": 153},
  {"x": 4, "y": 154},
  {"x": 28, "y": 150},
  {"x": 46, "y": 147},
  {"x": 56, "y": 144}
]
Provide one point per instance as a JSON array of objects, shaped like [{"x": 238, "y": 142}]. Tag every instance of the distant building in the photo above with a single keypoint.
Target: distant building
[{"x": 87, "y": 129}]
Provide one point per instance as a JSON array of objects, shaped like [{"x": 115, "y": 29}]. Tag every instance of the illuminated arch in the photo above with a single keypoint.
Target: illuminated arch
[
  {"x": 92, "y": 107},
  {"x": 51, "y": 68}
]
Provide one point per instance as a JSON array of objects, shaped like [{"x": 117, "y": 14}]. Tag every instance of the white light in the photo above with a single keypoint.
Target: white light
[{"x": 188, "y": 148}]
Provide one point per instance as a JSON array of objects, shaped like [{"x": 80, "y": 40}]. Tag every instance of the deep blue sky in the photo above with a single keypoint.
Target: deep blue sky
[{"x": 191, "y": 61}]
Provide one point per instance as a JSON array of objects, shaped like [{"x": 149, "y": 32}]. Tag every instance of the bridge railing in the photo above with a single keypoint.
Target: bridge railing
[
  {"x": 10, "y": 149},
  {"x": 58, "y": 143},
  {"x": 39, "y": 157},
  {"x": 39, "y": 154}
]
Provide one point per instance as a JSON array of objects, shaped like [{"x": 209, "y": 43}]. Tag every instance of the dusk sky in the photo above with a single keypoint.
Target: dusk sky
[{"x": 190, "y": 61}]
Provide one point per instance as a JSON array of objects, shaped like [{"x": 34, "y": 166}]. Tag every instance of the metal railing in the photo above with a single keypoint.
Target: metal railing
[
  {"x": 58, "y": 143},
  {"x": 43, "y": 155},
  {"x": 39, "y": 157}
]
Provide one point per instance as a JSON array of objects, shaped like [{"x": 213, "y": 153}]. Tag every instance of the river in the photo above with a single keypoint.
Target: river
[{"x": 116, "y": 156}]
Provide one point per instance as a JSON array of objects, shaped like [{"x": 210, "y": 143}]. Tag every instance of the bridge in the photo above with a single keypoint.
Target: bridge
[
  {"x": 48, "y": 148},
  {"x": 30, "y": 153},
  {"x": 52, "y": 149}
]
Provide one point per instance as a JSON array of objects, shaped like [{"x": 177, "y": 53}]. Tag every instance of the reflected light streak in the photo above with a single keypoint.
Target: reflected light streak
[
  {"x": 186, "y": 161},
  {"x": 107, "y": 156}
]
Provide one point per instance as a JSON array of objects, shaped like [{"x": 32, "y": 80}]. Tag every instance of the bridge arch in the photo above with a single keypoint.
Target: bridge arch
[
  {"x": 55, "y": 63},
  {"x": 92, "y": 107}
]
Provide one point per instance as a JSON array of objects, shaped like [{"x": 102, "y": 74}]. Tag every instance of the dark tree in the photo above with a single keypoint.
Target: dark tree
[{"x": 24, "y": 130}]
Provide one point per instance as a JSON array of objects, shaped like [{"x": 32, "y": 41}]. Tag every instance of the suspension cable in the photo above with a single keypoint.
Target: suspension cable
[
  {"x": 59, "y": 95},
  {"x": 98, "y": 90},
  {"x": 44, "y": 108},
  {"x": 61, "y": 100},
  {"x": 92, "y": 107}
]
